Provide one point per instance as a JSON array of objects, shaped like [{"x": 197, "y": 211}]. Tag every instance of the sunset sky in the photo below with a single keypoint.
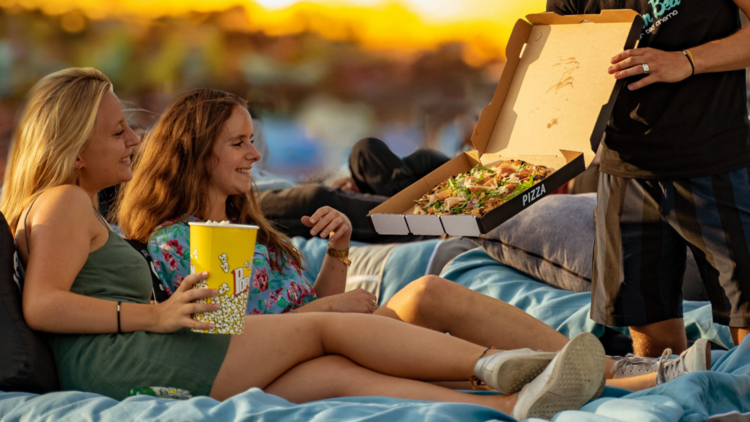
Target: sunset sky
[{"x": 377, "y": 24}]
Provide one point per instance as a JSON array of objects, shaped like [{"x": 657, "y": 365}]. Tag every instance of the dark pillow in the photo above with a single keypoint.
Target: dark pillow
[
  {"x": 26, "y": 363},
  {"x": 553, "y": 242}
]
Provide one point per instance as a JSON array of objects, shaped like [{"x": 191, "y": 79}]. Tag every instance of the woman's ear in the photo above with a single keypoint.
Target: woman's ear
[{"x": 79, "y": 163}]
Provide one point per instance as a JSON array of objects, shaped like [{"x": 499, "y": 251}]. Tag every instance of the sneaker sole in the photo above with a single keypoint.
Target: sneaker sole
[
  {"x": 516, "y": 372},
  {"x": 578, "y": 377}
]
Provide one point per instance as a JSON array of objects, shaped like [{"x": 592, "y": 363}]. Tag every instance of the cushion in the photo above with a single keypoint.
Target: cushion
[
  {"x": 553, "y": 242},
  {"x": 26, "y": 363},
  {"x": 446, "y": 251}
]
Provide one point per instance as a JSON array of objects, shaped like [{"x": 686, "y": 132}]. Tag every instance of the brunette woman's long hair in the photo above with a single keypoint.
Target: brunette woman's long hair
[{"x": 172, "y": 170}]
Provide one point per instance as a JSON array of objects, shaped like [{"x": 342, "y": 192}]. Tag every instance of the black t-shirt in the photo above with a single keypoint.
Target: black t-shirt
[{"x": 697, "y": 127}]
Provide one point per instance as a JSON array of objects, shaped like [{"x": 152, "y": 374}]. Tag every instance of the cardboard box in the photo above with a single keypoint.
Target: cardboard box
[{"x": 550, "y": 108}]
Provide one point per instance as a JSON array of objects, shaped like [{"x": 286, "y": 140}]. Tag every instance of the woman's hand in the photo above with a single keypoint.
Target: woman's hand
[
  {"x": 328, "y": 222},
  {"x": 663, "y": 66},
  {"x": 354, "y": 301},
  {"x": 174, "y": 313}
]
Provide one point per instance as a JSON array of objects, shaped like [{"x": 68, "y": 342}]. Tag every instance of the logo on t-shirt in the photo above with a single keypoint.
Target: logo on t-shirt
[{"x": 662, "y": 11}]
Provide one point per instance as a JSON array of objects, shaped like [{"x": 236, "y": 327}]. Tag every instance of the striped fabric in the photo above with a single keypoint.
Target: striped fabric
[{"x": 642, "y": 228}]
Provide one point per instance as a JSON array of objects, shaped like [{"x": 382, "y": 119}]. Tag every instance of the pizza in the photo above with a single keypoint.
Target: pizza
[{"x": 481, "y": 189}]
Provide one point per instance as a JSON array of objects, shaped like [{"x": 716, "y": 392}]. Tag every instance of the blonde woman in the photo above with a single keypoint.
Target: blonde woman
[{"x": 90, "y": 292}]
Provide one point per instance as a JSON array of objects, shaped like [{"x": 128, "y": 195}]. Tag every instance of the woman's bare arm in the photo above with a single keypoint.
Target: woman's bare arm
[
  {"x": 331, "y": 279},
  {"x": 62, "y": 226}
]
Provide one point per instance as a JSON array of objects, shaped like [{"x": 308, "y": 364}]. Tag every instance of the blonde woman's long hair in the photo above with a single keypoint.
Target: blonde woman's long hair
[
  {"x": 172, "y": 171},
  {"x": 55, "y": 126}
]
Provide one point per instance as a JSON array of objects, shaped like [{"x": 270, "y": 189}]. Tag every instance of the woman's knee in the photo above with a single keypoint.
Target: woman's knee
[{"x": 429, "y": 292}]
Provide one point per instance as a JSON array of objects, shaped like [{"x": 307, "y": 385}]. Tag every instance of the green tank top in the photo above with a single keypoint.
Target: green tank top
[{"x": 112, "y": 364}]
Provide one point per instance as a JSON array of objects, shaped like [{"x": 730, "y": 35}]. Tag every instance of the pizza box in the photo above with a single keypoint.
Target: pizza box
[{"x": 550, "y": 108}]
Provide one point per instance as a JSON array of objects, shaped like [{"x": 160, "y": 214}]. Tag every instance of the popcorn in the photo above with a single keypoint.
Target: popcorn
[
  {"x": 230, "y": 319},
  {"x": 233, "y": 245},
  {"x": 224, "y": 262}
]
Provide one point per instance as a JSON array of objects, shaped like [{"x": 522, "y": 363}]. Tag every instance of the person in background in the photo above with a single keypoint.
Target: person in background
[
  {"x": 379, "y": 174},
  {"x": 377, "y": 170}
]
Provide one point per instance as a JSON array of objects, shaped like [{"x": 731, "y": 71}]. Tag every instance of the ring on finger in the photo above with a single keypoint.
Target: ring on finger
[{"x": 645, "y": 68}]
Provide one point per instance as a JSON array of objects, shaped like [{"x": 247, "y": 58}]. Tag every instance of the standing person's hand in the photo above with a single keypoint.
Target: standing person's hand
[
  {"x": 663, "y": 66},
  {"x": 327, "y": 222},
  {"x": 175, "y": 313}
]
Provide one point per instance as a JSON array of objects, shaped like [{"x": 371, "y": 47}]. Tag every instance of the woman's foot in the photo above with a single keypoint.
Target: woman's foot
[
  {"x": 508, "y": 371},
  {"x": 575, "y": 376}
]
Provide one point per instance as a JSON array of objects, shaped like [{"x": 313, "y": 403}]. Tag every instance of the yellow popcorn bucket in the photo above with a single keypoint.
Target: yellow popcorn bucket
[{"x": 226, "y": 252}]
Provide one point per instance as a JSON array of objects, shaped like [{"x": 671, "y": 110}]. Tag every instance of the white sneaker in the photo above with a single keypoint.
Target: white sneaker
[
  {"x": 691, "y": 360},
  {"x": 696, "y": 358},
  {"x": 508, "y": 371},
  {"x": 575, "y": 376}
]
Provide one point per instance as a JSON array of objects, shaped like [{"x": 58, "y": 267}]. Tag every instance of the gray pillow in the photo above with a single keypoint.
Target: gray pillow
[{"x": 553, "y": 242}]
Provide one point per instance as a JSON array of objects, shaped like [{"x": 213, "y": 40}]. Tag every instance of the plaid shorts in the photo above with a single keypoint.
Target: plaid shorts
[{"x": 642, "y": 230}]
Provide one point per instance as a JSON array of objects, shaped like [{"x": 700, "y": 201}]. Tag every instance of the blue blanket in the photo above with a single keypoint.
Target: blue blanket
[
  {"x": 565, "y": 311},
  {"x": 694, "y": 397}
]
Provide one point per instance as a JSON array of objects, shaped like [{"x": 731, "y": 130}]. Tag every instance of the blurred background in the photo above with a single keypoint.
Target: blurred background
[{"x": 320, "y": 74}]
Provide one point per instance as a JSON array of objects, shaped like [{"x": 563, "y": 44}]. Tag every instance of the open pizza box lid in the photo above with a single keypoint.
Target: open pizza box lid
[{"x": 550, "y": 108}]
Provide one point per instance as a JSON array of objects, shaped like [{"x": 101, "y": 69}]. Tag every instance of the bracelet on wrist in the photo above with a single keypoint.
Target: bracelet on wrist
[
  {"x": 690, "y": 58},
  {"x": 342, "y": 255},
  {"x": 119, "y": 327},
  {"x": 342, "y": 250}
]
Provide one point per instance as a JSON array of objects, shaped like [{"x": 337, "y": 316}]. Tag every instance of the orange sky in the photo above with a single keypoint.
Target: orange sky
[{"x": 405, "y": 25}]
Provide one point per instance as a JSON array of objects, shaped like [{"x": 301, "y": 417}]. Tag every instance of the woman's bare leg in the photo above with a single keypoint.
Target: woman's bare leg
[
  {"x": 273, "y": 344},
  {"x": 442, "y": 305},
  {"x": 445, "y": 306},
  {"x": 336, "y": 376}
]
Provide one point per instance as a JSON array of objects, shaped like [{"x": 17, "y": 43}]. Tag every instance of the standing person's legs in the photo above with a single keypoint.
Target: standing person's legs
[
  {"x": 713, "y": 215},
  {"x": 377, "y": 170},
  {"x": 639, "y": 261}
]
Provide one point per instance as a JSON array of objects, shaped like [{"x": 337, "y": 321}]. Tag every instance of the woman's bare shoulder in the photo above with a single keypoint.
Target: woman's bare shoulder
[{"x": 68, "y": 202}]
